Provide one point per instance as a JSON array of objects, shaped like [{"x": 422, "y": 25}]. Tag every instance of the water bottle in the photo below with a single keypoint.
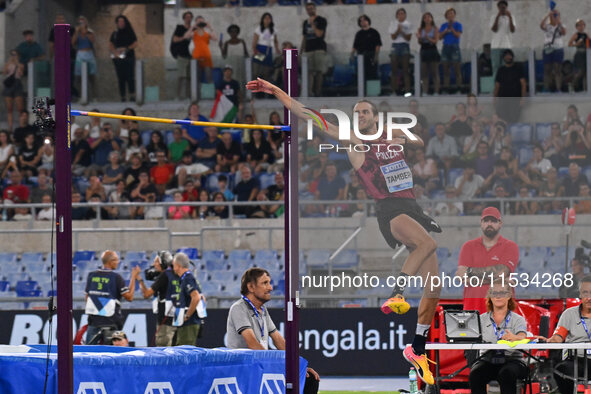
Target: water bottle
[
  {"x": 201, "y": 215},
  {"x": 412, "y": 381},
  {"x": 4, "y": 215}
]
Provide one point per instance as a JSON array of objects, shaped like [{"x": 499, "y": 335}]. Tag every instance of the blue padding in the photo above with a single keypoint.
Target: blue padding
[{"x": 184, "y": 369}]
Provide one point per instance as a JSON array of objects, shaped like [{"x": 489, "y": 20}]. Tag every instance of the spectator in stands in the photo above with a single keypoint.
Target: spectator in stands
[
  {"x": 27, "y": 157},
  {"x": 113, "y": 172},
  {"x": 23, "y": 129},
  {"x": 95, "y": 188},
  {"x": 503, "y": 26},
  {"x": 122, "y": 46},
  {"x": 579, "y": 40},
  {"x": 92, "y": 129},
  {"x": 553, "y": 145},
  {"x": 368, "y": 43},
  {"x": 45, "y": 154},
  {"x": 523, "y": 207},
  {"x": 228, "y": 154},
  {"x": 191, "y": 193},
  {"x": 275, "y": 138},
  {"x": 421, "y": 197},
  {"x": 29, "y": 50},
  {"x": 246, "y": 190},
  {"x": 16, "y": 193},
  {"x": 258, "y": 151},
  {"x": 81, "y": 153},
  {"x": 144, "y": 188},
  {"x": 125, "y": 125},
  {"x": 189, "y": 297},
  {"x": 135, "y": 146},
  {"x": 451, "y": 57},
  {"x": 263, "y": 42},
  {"x": 351, "y": 187},
  {"x": 400, "y": 31},
  {"x": 187, "y": 170},
  {"x": 467, "y": 186},
  {"x": 231, "y": 89},
  {"x": 78, "y": 213},
  {"x": 162, "y": 173},
  {"x": 105, "y": 289},
  {"x": 119, "y": 195},
  {"x": 474, "y": 110},
  {"x": 43, "y": 188},
  {"x": 331, "y": 185},
  {"x": 572, "y": 117},
  {"x": 219, "y": 211},
  {"x": 584, "y": 205},
  {"x": 512, "y": 166},
  {"x": 499, "y": 176},
  {"x": 577, "y": 145},
  {"x": 223, "y": 186},
  {"x": 553, "y": 50},
  {"x": 194, "y": 134},
  {"x": 459, "y": 124},
  {"x": 485, "y": 68},
  {"x": 202, "y": 33},
  {"x": 104, "y": 145},
  {"x": 551, "y": 187},
  {"x": 13, "y": 91},
  {"x": 490, "y": 254},
  {"x": 573, "y": 327},
  {"x": 509, "y": 85},
  {"x": 178, "y": 146},
  {"x": 314, "y": 47},
  {"x": 469, "y": 151},
  {"x": 155, "y": 145},
  {"x": 132, "y": 174},
  {"x": 249, "y": 324},
  {"x": 573, "y": 182},
  {"x": 234, "y": 52},
  {"x": 276, "y": 193},
  {"x": 449, "y": 208},
  {"x": 83, "y": 43},
  {"x": 425, "y": 171},
  {"x": 6, "y": 150},
  {"x": 536, "y": 168},
  {"x": 151, "y": 212},
  {"x": 442, "y": 147},
  {"x": 261, "y": 211},
  {"x": 176, "y": 212},
  {"x": 207, "y": 149},
  {"x": 179, "y": 48},
  {"x": 500, "y": 193},
  {"x": 578, "y": 271},
  {"x": 500, "y": 322},
  {"x": 413, "y": 108},
  {"x": 46, "y": 213},
  {"x": 428, "y": 35}
]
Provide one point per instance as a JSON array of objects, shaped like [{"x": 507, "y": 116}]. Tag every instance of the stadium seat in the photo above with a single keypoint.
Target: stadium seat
[
  {"x": 442, "y": 253},
  {"x": 216, "y": 266},
  {"x": 168, "y": 137},
  {"x": 14, "y": 277},
  {"x": 143, "y": 264},
  {"x": 543, "y": 131},
  {"x": 266, "y": 180},
  {"x": 211, "y": 287},
  {"x": 78, "y": 288},
  {"x": 213, "y": 255},
  {"x": 225, "y": 276},
  {"x": 146, "y": 135},
  {"x": 562, "y": 172},
  {"x": 347, "y": 258},
  {"x": 239, "y": 254},
  {"x": 525, "y": 155},
  {"x": 83, "y": 255},
  {"x": 521, "y": 133},
  {"x": 7, "y": 258},
  {"x": 192, "y": 253},
  {"x": 453, "y": 174},
  {"x": 318, "y": 257},
  {"x": 587, "y": 172},
  {"x": 342, "y": 75},
  {"x": 27, "y": 258},
  {"x": 265, "y": 255},
  {"x": 35, "y": 266},
  {"x": 135, "y": 255},
  {"x": 385, "y": 72},
  {"x": 27, "y": 288},
  {"x": 4, "y": 286}
]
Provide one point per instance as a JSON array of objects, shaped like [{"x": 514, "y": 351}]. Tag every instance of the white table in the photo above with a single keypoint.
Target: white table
[{"x": 523, "y": 347}]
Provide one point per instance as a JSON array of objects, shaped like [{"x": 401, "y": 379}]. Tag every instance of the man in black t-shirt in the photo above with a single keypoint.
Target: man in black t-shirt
[
  {"x": 189, "y": 298},
  {"x": 314, "y": 47},
  {"x": 179, "y": 48},
  {"x": 509, "y": 85},
  {"x": 228, "y": 154},
  {"x": 367, "y": 43},
  {"x": 230, "y": 87},
  {"x": 23, "y": 129},
  {"x": 81, "y": 152},
  {"x": 246, "y": 190}
]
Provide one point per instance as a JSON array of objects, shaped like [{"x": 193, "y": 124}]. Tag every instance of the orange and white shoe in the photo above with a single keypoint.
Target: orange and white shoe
[
  {"x": 395, "y": 304},
  {"x": 421, "y": 364}
]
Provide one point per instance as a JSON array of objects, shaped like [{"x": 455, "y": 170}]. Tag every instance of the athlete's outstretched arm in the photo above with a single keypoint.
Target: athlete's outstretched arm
[{"x": 296, "y": 108}]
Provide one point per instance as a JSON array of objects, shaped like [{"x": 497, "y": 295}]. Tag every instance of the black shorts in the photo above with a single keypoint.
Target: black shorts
[{"x": 387, "y": 209}]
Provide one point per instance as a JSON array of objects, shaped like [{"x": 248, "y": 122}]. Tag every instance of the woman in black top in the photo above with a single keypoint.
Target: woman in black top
[
  {"x": 27, "y": 158},
  {"x": 428, "y": 35},
  {"x": 367, "y": 43},
  {"x": 156, "y": 144},
  {"x": 580, "y": 40},
  {"x": 122, "y": 44},
  {"x": 258, "y": 151}
]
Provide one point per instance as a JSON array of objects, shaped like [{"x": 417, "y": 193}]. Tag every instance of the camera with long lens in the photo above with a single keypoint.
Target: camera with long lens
[{"x": 165, "y": 258}]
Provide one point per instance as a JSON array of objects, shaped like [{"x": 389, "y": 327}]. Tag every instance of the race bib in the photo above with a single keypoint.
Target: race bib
[{"x": 397, "y": 175}]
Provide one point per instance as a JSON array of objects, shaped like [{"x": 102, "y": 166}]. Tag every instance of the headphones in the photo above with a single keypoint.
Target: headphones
[{"x": 165, "y": 259}]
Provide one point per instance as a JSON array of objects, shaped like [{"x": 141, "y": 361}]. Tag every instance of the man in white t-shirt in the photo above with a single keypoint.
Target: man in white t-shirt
[
  {"x": 503, "y": 26},
  {"x": 400, "y": 31},
  {"x": 186, "y": 169},
  {"x": 467, "y": 186}
]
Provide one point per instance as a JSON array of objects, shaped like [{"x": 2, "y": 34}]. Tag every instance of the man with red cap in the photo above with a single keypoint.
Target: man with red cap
[{"x": 483, "y": 256}]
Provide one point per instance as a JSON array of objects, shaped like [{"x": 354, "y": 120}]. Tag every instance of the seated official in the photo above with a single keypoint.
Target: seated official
[
  {"x": 249, "y": 324},
  {"x": 574, "y": 325},
  {"x": 499, "y": 322}
]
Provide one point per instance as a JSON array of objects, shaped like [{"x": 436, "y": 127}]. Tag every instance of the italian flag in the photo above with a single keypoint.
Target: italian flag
[{"x": 223, "y": 109}]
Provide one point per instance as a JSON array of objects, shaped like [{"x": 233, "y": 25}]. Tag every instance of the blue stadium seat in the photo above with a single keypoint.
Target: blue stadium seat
[
  {"x": 14, "y": 277},
  {"x": 135, "y": 255},
  {"x": 83, "y": 255},
  {"x": 168, "y": 137},
  {"x": 211, "y": 182},
  {"x": 143, "y": 264},
  {"x": 225, "y": 276},
  {"x": 239, "y": 254},
  {"x": 36, "y": 266},
  {"x": 215, "y": 266},
  {"x": 266, "y": 180},
  {"x": 146, "y": 135},
  {"x": 442, "y": 253},
  {"x": 347, "y": 258},
  {"x": 27, "y": 258},
  {"x": 78, "y": 288},
  {"x": 239, "y": 266},
  {"x": 587, "y": 172},
  {"x": 318, "y": 257},
  {"x": 543, "y": 131},
  {"x": 213, "y": 255},
  {"x": 7, "y": 258},
  {"x": 453, "y": 174},
  {"x": 562, "y": 172},
  {"x": 216, "y": 75},
  {"x": 85, "y": 265},
  {"x": 4, "y": 286},
  {"x": 27, "y": 288},
  {"x": 265, "y": 255},
  {"x": 521, "y": 133},
  {"x": 385, "y": 72},
  {"x": 539, "y": 251},
  {"x": 280, "y": 289},
  {"x": 192, "y": 253},
  {"x": 342, "y": 75},
  {"x": 211, "y": 287},
  {"x": 525, "y": 155}
]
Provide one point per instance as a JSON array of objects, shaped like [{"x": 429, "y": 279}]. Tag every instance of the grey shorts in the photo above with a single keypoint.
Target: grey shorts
[
  {"x": 15, "y": 90},
  {"x": 182, "y": 67},
  {"x": 317, "y": 61}
]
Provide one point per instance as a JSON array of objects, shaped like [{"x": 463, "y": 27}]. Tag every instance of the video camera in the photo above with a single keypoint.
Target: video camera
[
  {"x": 44, "y": 119},
  {"x": 581, "y": 256},
  {"x": 165, "y": 258}
]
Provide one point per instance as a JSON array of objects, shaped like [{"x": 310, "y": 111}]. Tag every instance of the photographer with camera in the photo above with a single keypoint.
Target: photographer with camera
[
  {"x": 104, "y": 290},
  {"x": 165, "y": 289},
  {"x": 578, "y": 264},
  {"x": 190, "y": 309}
]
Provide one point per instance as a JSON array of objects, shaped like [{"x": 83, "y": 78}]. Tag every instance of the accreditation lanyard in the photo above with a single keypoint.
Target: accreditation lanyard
[
  {"x": 585, "y": 327},
  {"x": 497, "y": 334},
  {"x": 260, "y": 318}
]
